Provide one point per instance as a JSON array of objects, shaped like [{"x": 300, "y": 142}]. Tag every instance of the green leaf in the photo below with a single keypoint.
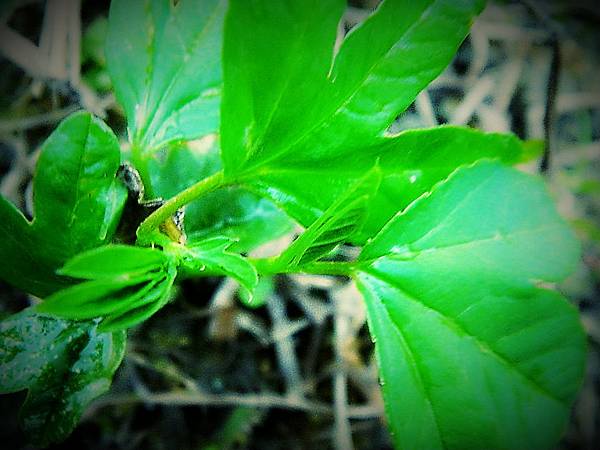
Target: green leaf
[
  {"x": 111, "y": 261},
  {"x": 76, "y": 197},
  {"x": 260, "y": 295},
  {"x": 281, "y": 73},
  {"x": 164, "y": 58},
  {"x": 95, "y": 298},
  {"x": 77, "y": 205},
  {"x": 93, "y": 60},
  {"x": 93, "y": 40},
  {"x": 472, "y": 353},
  {"x": 411, "y": 163},
  {"x": 126, "y": 285},
  {"x": 234, "y": 213},
  {"x": 386, "y": 61},
  {"x": 297, "y": 118},
  {"x": 64, "y": 365},
  {"x": 213, "y": 257},
  {"x": 148, "y": 302},
  {"x": 276, "y": 57},
  {"x": 243, "y": 217},
  {"x": 532, "y": 149},
  {"x": 19, "y": 261},
  {"x": 337, "y": 224}
]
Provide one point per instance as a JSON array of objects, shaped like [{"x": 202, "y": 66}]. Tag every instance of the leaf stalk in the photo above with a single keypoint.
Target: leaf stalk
[
  {"x": 273, "y": 266},
  {"x": 170, "y": 207}
]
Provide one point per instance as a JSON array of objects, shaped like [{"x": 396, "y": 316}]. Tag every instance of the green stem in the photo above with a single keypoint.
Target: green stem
[
  {"x": 341, "y": 268},
  {"x": 170, "y": 207},
  {"x": 271, "y": 266}
]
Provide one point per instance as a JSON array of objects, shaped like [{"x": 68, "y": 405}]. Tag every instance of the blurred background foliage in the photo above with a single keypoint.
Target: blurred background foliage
[{"x": 211, "y": 373}]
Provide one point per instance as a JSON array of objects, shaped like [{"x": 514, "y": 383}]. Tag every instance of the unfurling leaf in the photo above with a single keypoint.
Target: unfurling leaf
[
  {"x": 125, "y": 285},
  {"x": 213, "y": 257},
  {"x": 337, "y": 224},
  {"x": 112, "y": 261}
]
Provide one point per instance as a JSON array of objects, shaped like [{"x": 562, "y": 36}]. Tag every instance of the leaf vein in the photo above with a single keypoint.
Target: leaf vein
[
  {"x": 456, "y": 325},
  {"x": 411, "y": 358},
  {"x": 195, "y": 42}
]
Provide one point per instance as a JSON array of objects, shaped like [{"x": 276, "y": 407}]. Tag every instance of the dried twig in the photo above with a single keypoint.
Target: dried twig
[
  {"x": 342, "y": 332},
  {"x": 285, "y": 348},
  {"x": 34, "y": 121},
  {"x": 263, "y": 401}
]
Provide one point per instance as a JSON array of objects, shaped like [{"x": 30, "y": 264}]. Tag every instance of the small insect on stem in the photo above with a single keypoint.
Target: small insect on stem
[{"x": 141, "y": 208}]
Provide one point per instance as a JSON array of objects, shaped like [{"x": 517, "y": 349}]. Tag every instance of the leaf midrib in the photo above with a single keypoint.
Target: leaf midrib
[
  {"x": 344, "y": 101},
  {"x": 195, "y": 42},
  {"x": 412, "y": 359},
  {"x": 283, "y": 91},
  {"x": 454, "y": 325},
  {"x": 496, "y": 237},
  {"x": 80, "y": 165}
]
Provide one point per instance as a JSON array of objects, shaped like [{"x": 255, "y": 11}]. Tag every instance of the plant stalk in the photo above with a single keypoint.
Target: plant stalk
[
  {"x": 271, "y": 266},
  {"x": 170, "y": 207}
]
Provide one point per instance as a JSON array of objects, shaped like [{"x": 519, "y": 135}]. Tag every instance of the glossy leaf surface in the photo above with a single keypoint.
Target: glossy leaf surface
[
  {"x": 379, "y": 70},
  {"x": 64, "y": 365},
  {"x": 164, "y": 58},
  {"x": 19, "y": 261},
  {"x": 472, "y": 353},
  {"x": 276, "y": 58},
  {"x": 77, "y": 204},
  {"x": 340, "y": 104},
  {"x": 411, "y": 163}
]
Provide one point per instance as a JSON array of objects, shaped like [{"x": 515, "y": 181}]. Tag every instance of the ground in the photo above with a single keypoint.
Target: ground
[{"x": 208, "y": 372}]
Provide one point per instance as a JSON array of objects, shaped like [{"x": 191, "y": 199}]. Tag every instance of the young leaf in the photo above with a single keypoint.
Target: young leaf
[
  {"x": 113, "y": 261},
  {"x": 212, "y": 256},
  {"x": 337, "y": 224},
  {"x": 121, "y": 278},
  {"x": 151, "y": 299},
  {"x": 164, "y": 58},
  {"x": 64, "y": 365},
  {"x": 77, "y": 204},
  {"x": 234, "y": 213},
  {"x": 471, "y": 353},
  {"x": 95, "y": 298}
]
